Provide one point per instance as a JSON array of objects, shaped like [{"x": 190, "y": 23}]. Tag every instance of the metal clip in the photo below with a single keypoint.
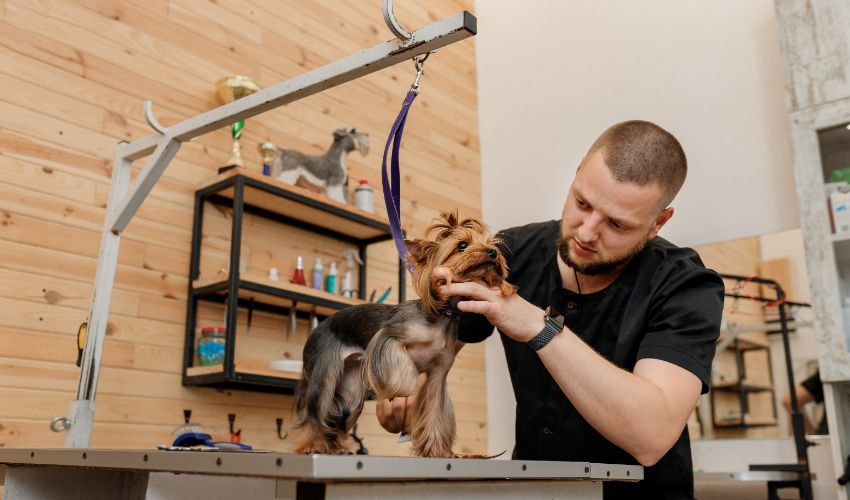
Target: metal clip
[{"x": 419, "y": 62}]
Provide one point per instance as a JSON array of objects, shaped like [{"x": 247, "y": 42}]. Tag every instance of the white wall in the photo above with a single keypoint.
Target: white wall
[{"x": 553, "y": 75}]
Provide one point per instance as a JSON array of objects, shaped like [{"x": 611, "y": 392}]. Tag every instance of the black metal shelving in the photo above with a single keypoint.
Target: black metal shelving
[{"x": 247, "y": 192}]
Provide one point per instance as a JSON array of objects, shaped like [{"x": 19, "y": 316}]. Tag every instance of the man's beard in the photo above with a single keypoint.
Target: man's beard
[{"x": 596, "y": 268}]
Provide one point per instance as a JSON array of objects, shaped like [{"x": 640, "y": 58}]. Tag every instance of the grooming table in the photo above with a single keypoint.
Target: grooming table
[{"x": 46, "y": 474}]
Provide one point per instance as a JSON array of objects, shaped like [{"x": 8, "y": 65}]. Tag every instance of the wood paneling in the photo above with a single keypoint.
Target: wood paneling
[{"x": 74, "y": 75}]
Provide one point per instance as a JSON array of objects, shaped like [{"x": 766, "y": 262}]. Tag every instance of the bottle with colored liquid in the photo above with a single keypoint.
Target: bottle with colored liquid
[
  {"x": 298, "y": 275},
  {"x": 333, "y": 284},
  {"x": 318, "y": 274}
]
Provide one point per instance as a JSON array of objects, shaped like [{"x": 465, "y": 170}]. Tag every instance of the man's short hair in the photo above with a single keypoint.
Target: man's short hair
[{"x": 641, "y": 152}]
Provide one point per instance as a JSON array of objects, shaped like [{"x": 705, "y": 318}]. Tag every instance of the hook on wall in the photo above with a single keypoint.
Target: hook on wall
[{"x": 279, "y": 422}]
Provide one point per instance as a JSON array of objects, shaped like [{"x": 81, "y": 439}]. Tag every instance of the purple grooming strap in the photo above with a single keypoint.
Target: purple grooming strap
[{"x": 392, "y": 187}]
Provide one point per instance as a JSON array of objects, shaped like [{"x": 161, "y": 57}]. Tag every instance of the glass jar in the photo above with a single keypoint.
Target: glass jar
[{"x": 211, "y": 345}]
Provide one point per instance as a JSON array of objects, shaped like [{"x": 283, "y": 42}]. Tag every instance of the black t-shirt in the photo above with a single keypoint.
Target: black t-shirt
[{"x": 665, "y": 305}]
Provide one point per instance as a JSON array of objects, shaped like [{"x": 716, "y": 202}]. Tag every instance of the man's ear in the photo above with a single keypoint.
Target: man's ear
[
  {"x": 420, "y": 250},
  {"x": 662, "y": 219}
]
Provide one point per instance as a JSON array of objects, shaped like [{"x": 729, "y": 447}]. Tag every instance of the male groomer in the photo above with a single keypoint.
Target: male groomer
[{"x": 610, "y": 339}]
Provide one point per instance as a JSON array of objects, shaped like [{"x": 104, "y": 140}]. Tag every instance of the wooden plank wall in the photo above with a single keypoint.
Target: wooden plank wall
[{"x": 74, "y": 75}]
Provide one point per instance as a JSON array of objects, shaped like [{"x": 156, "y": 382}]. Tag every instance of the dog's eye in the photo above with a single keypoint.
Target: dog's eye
[{"x": 462, "y": 246}]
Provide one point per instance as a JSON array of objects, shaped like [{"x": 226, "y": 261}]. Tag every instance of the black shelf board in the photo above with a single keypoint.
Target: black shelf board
[{"x": 243, "y": 382}]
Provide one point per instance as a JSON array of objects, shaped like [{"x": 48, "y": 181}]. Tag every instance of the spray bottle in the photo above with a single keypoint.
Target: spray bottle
[{"x": 351, "y": 255}]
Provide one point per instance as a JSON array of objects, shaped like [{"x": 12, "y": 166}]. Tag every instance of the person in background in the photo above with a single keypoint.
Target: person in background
[{"x": 808, "y": 391}]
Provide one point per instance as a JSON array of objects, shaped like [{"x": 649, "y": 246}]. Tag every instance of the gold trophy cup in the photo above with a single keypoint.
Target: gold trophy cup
[{"x": 228, "y": 89}]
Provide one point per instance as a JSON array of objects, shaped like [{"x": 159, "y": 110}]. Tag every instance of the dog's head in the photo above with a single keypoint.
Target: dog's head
[
  {"x": 353, "y": 139},
  {"x": 465, "y": 248}
]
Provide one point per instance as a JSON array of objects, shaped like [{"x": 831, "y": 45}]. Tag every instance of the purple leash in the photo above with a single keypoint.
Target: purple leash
[{"x": 391, "y": 180}]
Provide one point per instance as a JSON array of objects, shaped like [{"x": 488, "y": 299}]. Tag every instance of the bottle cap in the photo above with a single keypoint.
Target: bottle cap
[
  {"x": 300, "y": 263},
  {"x": 332, "y": 270},
  {"x": 363, "y": 181},
  {"x": 318, "y": 264}
]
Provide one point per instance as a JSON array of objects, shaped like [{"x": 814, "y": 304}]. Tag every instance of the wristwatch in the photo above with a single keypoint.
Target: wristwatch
[{"x": 554, "y": 325}]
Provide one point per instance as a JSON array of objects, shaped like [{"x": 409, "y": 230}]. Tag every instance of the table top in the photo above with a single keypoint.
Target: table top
[{"x": 326, "y": 468}]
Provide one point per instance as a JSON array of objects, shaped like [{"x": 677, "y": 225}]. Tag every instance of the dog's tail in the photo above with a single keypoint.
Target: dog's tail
[
  {"x": 316, "y": 401},
  {"x": 388, "y": 367}
]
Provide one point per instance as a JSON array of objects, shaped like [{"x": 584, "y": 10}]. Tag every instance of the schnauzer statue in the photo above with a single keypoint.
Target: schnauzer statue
[
  {"x": 386, "y": 347},
  {"x": 326, "y": 172}
]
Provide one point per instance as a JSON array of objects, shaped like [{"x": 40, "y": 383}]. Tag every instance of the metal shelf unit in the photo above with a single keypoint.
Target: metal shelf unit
[{"x": 249, "y": 192}]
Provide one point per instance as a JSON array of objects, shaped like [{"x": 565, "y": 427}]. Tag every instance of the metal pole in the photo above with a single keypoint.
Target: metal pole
[{"x": 81, "y": 410}]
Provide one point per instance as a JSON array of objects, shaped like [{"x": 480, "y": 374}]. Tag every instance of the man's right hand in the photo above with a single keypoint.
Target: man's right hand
[{"x": 394, "y": 414}]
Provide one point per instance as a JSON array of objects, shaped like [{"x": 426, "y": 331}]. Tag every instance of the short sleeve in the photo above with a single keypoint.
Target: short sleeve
[
  {"x": 814, "y": 386},
  {"x": 684, "y": 323}
]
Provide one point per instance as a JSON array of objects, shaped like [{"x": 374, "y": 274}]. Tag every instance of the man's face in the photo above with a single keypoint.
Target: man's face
[{"x": 606, "y": 222}]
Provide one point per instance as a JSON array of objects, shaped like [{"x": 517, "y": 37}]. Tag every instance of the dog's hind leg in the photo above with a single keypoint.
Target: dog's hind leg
[
  {"x": 349, "y": 395},
  {"x": 388, "y": 367}
]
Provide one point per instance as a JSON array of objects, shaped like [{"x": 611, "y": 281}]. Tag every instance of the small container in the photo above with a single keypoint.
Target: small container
[
  {"x": 273, "y": 274},
  {"x": 318, "y": 274},
  {"x": 211, "y": 345},
  {"x": 364, "y": 196},
  {"x": 298, "y": 275},
  {"x": 333, "y": 284}
]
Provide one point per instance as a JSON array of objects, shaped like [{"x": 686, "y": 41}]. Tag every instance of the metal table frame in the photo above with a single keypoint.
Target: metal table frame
[{"x": 76, "y": 473}]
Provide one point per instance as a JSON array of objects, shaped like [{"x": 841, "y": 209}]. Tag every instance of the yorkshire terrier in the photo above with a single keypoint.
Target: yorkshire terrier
[{"x": 386, "y": 347}]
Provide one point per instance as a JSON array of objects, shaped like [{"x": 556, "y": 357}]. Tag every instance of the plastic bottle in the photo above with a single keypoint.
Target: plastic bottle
[
  {"x": 298, "y": 275},
  {"x": 348, "y": 277},
  {"x": 318, "y": 274},
  {"x": 333, "y": 284},
  {"x": 364, "y": 196}
]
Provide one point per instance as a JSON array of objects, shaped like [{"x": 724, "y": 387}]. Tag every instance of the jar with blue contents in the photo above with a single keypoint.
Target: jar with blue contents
[{"x": 211, "y": 345}]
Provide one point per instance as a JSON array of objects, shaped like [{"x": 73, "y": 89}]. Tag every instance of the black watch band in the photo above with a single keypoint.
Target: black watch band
[{"x": 554, "y": 325}]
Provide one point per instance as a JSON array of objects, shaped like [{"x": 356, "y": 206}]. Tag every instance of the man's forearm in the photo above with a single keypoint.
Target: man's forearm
[{"x": 628, "y": 410}]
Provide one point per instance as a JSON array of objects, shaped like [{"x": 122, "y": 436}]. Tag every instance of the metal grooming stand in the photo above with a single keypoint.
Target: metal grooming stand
[
  {"x": 125, "y": 199},
  {"x": 803, "y": 480}
]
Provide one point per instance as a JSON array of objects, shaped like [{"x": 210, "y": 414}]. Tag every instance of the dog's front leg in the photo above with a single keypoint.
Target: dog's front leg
[{"x": 433, "y": 429}]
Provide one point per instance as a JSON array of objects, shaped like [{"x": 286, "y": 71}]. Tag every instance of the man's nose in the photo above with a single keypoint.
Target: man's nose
[
  {"x": 588, "y": 230},
  {"x": 492, "y": 253}
]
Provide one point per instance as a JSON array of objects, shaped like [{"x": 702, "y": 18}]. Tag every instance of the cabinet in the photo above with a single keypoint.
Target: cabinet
[
  {"x": 235, "y": 291},
  {"x": 738, "y": 390}
]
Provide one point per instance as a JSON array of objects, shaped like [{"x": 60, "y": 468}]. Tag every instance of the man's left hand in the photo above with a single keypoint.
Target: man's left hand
[{"x": 512, "y": 315}]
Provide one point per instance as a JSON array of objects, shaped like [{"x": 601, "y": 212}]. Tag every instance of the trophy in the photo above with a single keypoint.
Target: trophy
[
  {"x": 268, "y": 151},
  {"x": 228, "y": 89}
]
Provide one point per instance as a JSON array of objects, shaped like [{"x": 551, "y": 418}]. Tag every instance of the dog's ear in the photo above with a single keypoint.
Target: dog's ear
[
  {"x": 420, "y": 250},
  {"x": 340, "y": 133}
]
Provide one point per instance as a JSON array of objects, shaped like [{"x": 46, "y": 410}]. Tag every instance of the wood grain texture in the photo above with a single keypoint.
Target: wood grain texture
[{"x": 75, "y": 75}]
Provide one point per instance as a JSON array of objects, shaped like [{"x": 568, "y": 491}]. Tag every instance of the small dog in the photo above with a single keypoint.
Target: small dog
[
  {"x": 326, "y": 171},
  {"x": 385, "y": 347}
]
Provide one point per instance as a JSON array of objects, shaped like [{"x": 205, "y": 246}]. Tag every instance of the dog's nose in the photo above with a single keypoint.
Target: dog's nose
[{"x": 492, "y": 253}]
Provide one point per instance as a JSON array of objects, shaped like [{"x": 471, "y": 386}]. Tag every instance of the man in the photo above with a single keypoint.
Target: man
[{"x": 641, "y": 317}]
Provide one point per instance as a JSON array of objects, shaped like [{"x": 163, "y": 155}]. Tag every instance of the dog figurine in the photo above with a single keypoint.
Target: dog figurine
[
  {"x": 386, "y": 347},
  {"x": 327, "y": 172}
]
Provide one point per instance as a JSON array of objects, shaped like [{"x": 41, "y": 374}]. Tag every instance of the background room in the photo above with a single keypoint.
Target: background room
[{"x": 757, "y": 92}]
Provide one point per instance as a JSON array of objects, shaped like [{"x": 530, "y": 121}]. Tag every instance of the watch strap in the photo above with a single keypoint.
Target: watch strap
[{"x": 553, "y": 325}]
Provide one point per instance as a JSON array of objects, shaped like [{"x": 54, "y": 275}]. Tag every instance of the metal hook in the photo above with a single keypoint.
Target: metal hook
[
  {"x": 151, "y": 119},
  {"x": 419, "y": 62},
  {"x": 389, "y": 18}
]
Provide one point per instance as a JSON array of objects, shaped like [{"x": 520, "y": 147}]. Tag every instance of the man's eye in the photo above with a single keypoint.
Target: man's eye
[
  {"x": 462, "y": 246},
  {"x": 581, "y": 203},
  {"x": 616, "y": 225}
]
